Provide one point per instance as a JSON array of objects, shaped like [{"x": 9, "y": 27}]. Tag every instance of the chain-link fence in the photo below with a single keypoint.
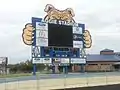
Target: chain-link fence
[{"x": 57, "y": 81}]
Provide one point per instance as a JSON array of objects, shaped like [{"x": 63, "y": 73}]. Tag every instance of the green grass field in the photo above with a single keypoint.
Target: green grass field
[
  {"x": 15, "y": 75},
  {"x": 23, "y": 74}
]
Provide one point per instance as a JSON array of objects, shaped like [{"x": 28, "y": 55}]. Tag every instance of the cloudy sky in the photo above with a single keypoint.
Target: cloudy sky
[{"x": 102, "y": 19}]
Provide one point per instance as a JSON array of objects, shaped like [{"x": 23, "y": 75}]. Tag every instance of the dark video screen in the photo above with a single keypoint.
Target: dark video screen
[{"x": 60, "y": 35}]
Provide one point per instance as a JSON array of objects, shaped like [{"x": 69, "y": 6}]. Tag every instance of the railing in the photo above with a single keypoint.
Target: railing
[{"x": 57, "y": 81}]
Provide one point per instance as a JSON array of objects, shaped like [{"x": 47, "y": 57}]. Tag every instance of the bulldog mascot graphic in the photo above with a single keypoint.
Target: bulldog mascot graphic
[{"x": 58, "y": 15}]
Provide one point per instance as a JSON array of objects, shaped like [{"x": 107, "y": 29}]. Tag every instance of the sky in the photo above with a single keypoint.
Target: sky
[{"x": 101, "y": 18}]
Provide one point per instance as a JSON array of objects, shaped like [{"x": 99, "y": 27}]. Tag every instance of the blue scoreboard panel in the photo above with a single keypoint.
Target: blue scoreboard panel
[{"x": 57, "y": 42}]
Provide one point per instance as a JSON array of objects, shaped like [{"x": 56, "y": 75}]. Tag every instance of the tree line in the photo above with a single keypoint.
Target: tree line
[{"x": 25, "y": 67}]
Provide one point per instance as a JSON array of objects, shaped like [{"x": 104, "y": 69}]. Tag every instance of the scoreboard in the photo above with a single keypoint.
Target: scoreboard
[
  {"x": 49, "y": 34},
  {"x": 56, "y": 41}
]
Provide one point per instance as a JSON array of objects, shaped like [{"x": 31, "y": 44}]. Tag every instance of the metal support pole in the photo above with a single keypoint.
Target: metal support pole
[
  {"x": 53, "y": 69},
  {"x": 66, "y": 69},
  {"x": 34, "y": 69},
  {"x": 82, "y": 68}
]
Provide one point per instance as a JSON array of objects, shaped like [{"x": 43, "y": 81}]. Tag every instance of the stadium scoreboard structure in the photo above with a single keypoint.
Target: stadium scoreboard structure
[
  {"x": 56, "y": 39},
  {"x": 57, "y": 43}
]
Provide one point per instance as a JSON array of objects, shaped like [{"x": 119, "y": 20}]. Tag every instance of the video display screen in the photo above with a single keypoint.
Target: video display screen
[{"x": 60, "y": 35}]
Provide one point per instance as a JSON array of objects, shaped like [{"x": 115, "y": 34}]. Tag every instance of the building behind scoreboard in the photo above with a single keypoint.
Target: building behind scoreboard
[{"x": 107, "y": 60}]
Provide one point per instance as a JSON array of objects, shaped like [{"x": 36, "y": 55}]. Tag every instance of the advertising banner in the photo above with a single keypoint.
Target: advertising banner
[
  {"x": 42, "y": 60},
  {"x": 56, "y": 61},
  {"x": 41, "y": 34},
  {"x": 41, "y": 26},
  {"x": 77, "y": 37},
  {"x": 65, "y": 60},
  {"x": 77, "y": 44},
  {"x": 78, "y": 61},
  {"x": 77, "y": 30},
  {"x": 3, "y": 60},
  {"x": 41, "y": 42}
]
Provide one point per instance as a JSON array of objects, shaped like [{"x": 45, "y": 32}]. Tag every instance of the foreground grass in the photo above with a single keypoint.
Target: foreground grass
[
  {"x": 23, "y": 74},
  {"x": 15, "y": 75}
]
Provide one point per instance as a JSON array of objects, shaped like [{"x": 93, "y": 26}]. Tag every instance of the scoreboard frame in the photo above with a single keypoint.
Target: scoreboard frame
[{"x": 38, "y": 51}]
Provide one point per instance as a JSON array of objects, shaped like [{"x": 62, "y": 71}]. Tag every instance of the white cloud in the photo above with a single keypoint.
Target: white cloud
[{"x": 18, "y": 5}]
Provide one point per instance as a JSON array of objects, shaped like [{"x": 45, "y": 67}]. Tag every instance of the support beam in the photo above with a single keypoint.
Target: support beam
[{"x": 34, "y": 69}]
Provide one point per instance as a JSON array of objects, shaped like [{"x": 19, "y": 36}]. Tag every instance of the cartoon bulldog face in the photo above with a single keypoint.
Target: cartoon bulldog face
[{"x": 59, "y": 15}]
